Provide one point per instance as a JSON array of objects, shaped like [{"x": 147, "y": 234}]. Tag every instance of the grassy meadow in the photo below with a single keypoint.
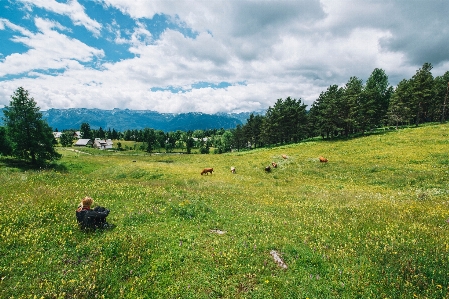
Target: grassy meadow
[{"x": 370, "y": 223}]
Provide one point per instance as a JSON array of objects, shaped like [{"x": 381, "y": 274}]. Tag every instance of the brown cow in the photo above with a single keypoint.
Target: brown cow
[
  {"x": 284, "y": 156},
  {"x": 322, "y": 159},
  {"x": 268, "y": 169},
  {"x": 274, "y": 164},
  {"x": 232, "y": 169},
  {"x": 207, "y": 170}
]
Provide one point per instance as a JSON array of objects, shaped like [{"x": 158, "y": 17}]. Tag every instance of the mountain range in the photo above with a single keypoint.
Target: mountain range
[{"x": 125, "y": 119}]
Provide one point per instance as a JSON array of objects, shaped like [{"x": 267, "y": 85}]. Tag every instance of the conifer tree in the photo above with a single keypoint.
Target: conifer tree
[
  {"x": 31, "y": 137},
  {"x": 375, "y": 100},
  {"x": 423, "y": 93}
]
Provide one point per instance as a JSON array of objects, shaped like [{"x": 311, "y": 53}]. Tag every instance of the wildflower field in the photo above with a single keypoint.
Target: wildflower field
[{"x": 370, "y": 223}]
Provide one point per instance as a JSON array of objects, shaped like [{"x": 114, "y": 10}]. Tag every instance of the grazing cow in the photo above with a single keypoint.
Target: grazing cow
[
  {"x": 232, "y": 169},
  {"x": 284, "y": 156},
  {"x": 274, "y": 164},
  {"x": 267, "y": 169},
  {"x": 207, "y": 170},
  {"x": 322, "y": 159}
]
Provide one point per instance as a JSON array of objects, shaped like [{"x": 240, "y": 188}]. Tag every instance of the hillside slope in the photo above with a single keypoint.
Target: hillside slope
[{"x": 372, "y": 222}]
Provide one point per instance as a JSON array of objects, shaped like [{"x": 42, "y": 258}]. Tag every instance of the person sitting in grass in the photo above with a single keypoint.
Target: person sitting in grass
[{"x": 91, "y": 218}]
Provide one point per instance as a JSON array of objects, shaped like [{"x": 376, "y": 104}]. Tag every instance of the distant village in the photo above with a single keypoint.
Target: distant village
[{"x": 95, "y": 143}]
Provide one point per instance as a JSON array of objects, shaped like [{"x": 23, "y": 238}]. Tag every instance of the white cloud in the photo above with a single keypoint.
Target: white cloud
[
  {"x": 48, "y": 49},
  {"x": 278, "y": 48},
  {"x": 72, "y": 9}
]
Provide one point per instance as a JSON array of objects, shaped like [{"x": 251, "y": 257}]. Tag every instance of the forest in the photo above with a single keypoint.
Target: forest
[{"x": 340, "y": 111}]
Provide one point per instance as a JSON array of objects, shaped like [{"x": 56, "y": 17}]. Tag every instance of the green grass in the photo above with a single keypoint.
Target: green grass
[{"x": 370, "y": 223}]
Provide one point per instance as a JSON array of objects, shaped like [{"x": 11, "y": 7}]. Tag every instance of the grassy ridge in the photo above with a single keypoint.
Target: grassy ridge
[{"x": 370, "y": 223}]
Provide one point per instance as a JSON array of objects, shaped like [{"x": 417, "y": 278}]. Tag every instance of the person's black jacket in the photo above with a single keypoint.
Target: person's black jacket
[{"x": 92, "y": 219}]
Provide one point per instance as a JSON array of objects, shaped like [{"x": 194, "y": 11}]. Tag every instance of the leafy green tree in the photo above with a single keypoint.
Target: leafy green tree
[
  {"x": 5, "y": 144},
  {"x": 66, "y": 138},
  {"x": 198, "y": 134},
  {"x": 161, "y": 138},
  {"x": 171, "y": 139},
  {"x": 190, "y": 142},
  {"x": 31, "y": 137},
  {"x": 86, "y": 132},
  {"x": 226, "y": 141},
  {"x": 205, "y": 145}
]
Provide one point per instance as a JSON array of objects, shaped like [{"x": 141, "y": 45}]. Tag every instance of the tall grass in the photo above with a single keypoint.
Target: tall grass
[{"x": 370, "y": 223}]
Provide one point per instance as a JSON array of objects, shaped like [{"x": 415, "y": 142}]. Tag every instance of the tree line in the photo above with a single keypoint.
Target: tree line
[{"x": 355, "y": 108}]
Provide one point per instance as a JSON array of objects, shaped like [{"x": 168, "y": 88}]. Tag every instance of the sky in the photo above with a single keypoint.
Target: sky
[{"x": 178, "y": 56}]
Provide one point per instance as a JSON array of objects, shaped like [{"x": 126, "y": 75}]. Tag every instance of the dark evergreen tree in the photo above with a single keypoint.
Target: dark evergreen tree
[
  {"x": 292, "y": 120},
  {"x": 326, "y": 113},
  {"x": 161, "y": 138},
  {"x": 101, "y": 133},
  {"x": 5, "y": 144},
  {"x": 439, "y": 107},
  {"x": 375, "y": 100},
  {"x": 114, "y": 135},
  {"x": 190, "y": 142},
  {"x": 348, "y": 109},
  {"x": 252, "y": 130},
  {"x": 86, "y": 132},
  {"x": 149, "y": 136},
  {"x": 270, "y": 127},
  {"x": 127, "y": 135},
  {"x": 239, "y": 138},
  {"x": 31, "y": 137},
  {"x": 108, "y": 134},
  {"x": 423, "y": 93},
  {"x": 399, "y": 109}
]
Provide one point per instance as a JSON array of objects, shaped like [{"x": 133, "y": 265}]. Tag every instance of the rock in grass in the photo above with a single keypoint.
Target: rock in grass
[
  {"x": 277, "y": 259},
  {"x": 217, "y": 231}
]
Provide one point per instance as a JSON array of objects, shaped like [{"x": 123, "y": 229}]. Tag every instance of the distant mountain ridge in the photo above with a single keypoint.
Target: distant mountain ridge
[{"x": 125, "y": 119}]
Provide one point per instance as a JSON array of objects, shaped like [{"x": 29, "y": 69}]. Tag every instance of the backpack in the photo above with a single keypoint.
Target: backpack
[{"x": 92, "y": 219}]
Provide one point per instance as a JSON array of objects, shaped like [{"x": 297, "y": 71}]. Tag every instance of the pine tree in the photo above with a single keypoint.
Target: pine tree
[
  {"x": 423, "y": 93},
  {"x": 31, "y": 137},
  {"x": 349, "y": 105},
  {"x": 439, "y": 109},
  {"x": 399, "y": 109},
  {"x": 375, "y": 100},
  {"x": 86, "y": 132},
  {"x": 5, "y": 144}
]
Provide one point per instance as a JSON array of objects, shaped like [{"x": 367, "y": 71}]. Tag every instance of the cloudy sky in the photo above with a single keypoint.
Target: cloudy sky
[{"x": 210, "y": 56}]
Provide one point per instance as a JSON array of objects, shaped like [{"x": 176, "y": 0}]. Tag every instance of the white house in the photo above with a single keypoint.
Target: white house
[
  {"x": 102, "y": 143},
  {"x": 77, "y": 134}
]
